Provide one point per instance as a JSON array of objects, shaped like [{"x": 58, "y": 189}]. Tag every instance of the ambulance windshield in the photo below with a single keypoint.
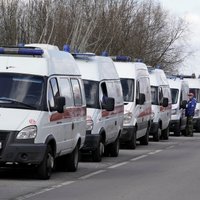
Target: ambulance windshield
[
  {"x": 91, "y": 93},
  {"x": 21, "y": 91},
  {"x": 128, "y": 89}
]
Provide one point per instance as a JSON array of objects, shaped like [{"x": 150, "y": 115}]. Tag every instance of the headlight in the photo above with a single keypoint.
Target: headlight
[
  {"x": 127, "y": 117},
  {"x": 174, "y": 111},
  {"x": 196, "y": 114},
  {"x": 29, "y": 132},
  {"x": 152, "y": 115},
  {"x": 89, "y": 125}
]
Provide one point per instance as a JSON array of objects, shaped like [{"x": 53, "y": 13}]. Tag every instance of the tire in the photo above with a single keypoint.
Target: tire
[
  {"x": 98, "y": 152},
  {"x": 156, "y": 135},
  {"x": 165, "y": 134},
  {"x": 145, "y": 139},
  {"x": 45, "y": 168},
  {"x": 73, "y": 160},
  {"x": 114, "y": 148},
  {"x": 132, "y": 143}
]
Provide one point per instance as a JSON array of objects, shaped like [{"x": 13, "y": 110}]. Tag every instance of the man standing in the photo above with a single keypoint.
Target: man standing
[{"x": 189, "y": 112}]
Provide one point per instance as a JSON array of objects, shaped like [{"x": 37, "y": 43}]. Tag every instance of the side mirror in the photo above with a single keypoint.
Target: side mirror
[
  {"x": 141, "y": 99},
  {"x": 109, "y": 105},
  {"x": 60, "y": 102},
  {"x": 165, "y": 102},
  {"x": 183, "y": 104}
]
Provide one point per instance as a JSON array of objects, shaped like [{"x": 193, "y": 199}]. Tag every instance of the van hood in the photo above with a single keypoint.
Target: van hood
[{"x": 17, "y": 119}]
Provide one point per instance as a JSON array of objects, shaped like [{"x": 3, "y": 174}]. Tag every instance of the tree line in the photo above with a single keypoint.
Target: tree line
[{"x": 137, "y": 28}]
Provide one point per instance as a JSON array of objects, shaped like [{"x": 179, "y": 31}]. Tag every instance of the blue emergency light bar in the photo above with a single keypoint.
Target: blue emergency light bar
[
  {"x": 21, "y": 51},
  {"x": 121, "y": 58}
]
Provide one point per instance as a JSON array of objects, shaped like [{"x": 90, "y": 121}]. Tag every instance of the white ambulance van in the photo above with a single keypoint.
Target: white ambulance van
[
  {"x": 161, "y": 104},
  {"x": 194, "y": 87},
  {"x": 105, "y": 105},
  {"x": 42, "y": 108},
  {"x": 135, "y": 82},
  {"x": 179, "y": 92}
]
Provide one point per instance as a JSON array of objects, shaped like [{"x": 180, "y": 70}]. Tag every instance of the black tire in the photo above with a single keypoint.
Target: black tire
[
  {"x": 114, "y": 148},
  {"x": 145, "y": 139},
  {"x": 73, "y": 160},
  {"x": 46, "y": 166},
  {"x": 165, "y": 134},
  {"x": 131, "y": 144},
  {"x": 156, "y": 135},
  {"x": 98, "y": 152}
]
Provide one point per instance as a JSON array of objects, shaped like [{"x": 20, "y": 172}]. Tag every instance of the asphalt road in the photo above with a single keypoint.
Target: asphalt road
[{"x": 165, "y": 170}]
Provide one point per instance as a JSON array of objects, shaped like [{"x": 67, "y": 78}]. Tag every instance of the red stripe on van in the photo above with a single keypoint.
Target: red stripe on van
[
  {"x": 145, "y": 112},
  {"x": 117, "y": 110},
  {"x": 69, "y": 113}
]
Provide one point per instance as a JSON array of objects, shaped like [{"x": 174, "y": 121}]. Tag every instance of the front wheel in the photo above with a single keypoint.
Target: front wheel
[
  {"x": 165, "y": 134},
  {"x": 98, "y": 152},
  {"x": 145, "y": 139},
  {"x": 46, "y": 167},
  {"x": 114, "y": 148},
  {"x": 132, "y": 143}
]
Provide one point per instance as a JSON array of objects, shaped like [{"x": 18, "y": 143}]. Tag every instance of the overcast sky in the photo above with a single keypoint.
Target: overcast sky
[{"x": 190, "y": 11}]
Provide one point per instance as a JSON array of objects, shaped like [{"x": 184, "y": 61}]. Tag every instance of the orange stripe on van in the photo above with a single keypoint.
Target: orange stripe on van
[
  {"x": 145, "y": 112},
  {"x": 69, "y": 113},
  {"x": 117, "y": 110}
]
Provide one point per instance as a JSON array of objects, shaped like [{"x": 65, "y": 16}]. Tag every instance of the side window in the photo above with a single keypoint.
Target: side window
[
  {"x": 104, "y": 92},
  {"x": 65, "y": 91},
  {"x": 160, "y": 95},
  {"x": 53, "y": 92},
  {"x": 137, "y": 90},
  {"x": 76, "y": 92}
]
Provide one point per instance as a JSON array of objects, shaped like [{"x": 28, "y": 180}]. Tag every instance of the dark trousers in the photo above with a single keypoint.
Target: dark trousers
[{"x": 189, "y": 126}]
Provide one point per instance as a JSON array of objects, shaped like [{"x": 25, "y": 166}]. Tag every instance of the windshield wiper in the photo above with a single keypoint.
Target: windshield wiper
[{"x": 9, "y": 100}]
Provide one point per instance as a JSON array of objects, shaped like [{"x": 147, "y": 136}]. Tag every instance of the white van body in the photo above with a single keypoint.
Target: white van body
[
  {"x": 137, "y": 115},
  {"x": 194, "y": 87},
  {"x": 179, "y": 92},
  {"x": 161, "y": 104},
  {"x": 42, "y": 108},
  {"x": 103, "y": 126}
]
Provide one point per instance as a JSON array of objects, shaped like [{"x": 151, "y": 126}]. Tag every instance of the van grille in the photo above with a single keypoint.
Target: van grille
[{"x": 3, "y": 140}]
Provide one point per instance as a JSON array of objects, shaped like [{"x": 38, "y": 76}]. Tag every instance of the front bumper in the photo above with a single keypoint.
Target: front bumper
[
  {"x": 127, "y": 133},
  {"x": 23, "y": 153},
  {"x": 154, "y": 128},
  {"x": 91, "y": 142},
  {"x": 174, "y": 126}
]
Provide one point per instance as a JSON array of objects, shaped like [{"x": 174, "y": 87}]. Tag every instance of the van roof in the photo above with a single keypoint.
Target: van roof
[
  {"x": 131, "y": 69},
  {"x": 50, "y": 61},
  {"x": 157, "y": 77},
  {"x": 96, "y": 68}
]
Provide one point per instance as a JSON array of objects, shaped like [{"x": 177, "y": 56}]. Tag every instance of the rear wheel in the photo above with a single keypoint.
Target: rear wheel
[{"x": 46, "y": 167}]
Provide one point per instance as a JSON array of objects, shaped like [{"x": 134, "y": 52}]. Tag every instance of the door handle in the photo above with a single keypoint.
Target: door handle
[
  {"x": 72, "y": 125},
  {"x": 59, "y": 122}
]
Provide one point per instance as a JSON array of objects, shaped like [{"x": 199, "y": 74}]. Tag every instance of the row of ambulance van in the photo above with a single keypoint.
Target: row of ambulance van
[{"x": 55, "y": 105}]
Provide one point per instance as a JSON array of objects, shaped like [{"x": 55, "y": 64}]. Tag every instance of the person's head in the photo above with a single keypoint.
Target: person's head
[{"x": 190, "y": 95}]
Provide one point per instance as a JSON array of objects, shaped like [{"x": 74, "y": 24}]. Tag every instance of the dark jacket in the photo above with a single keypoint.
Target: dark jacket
[{"x": 190, "y": 107}]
